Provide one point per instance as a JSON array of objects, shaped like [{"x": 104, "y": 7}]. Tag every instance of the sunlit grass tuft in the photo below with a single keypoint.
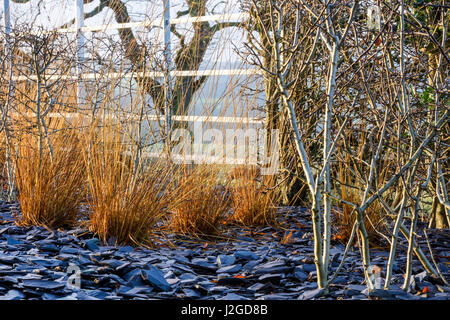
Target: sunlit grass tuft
[
  {"x": 50, "y": 179},
  {"x": 127, "y": 194},
  {"x": 202, "y": 203},
  {"x": 253, "y": 200}
]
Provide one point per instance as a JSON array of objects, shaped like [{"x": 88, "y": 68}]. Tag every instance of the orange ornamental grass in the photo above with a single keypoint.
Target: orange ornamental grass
[
  {"x": 375, "y": 219},
  {"x": 3, "y": 165},
  {"x": 50, "y": 178},
  {"x": 253, "y": 201},
  {"x": 201, "y": 204},
  {"x": 126, "y": 193}
]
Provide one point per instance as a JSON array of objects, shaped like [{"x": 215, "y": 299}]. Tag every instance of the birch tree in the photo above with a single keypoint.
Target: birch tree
[{"x": 368, "y": 115}]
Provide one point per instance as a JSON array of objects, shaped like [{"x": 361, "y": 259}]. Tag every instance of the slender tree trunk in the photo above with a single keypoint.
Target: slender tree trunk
[{"x": 438, "y": 217}]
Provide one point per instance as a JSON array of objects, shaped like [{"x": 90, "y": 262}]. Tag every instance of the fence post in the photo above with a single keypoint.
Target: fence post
[
  {"x": 167, "y": 67},
  {"x": 79, "y": 21},
  {"x": 11, "y": 196},
  {"x": 6, "y": 17}
]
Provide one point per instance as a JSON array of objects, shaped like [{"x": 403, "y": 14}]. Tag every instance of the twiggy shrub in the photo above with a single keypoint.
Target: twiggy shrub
[{"x": 375, "y": 219}]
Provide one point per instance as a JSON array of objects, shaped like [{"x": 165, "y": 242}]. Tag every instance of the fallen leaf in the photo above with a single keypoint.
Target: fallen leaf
[
  {"x": 287, "y": 238},
  {"x": 378, "y": 41}
]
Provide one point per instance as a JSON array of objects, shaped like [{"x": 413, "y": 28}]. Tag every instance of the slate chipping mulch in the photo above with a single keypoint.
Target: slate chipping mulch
[{"x": 255, "y": 264}]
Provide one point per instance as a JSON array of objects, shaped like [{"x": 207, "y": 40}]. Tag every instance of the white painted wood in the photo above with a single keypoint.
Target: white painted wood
[
  {"x": 79, "y": 21},
  {"x": 158, "y": 22},
  {"x": 199, "y": 158},
  {"x": 168, "y": 67},
  {"x": 210, "y": 119},
  {"x": 7, "y": 17},
  {"x": 155, "y": 74}
]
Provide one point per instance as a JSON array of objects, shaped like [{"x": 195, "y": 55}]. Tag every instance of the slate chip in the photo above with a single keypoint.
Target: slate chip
[
  {"x": 245, "y": 255},
  {"x": 12, "y": 295},
  {"x": 273, "y": 278},
  {"x": 156, "y": 278},
  {"x": 42, "y": 284},
  {"x": 311, "y": 294},
  {"x": 230, "y": 269},
  {"x": 225, "y": 260},
  {"x": 231, "y": 281},
  {"x": 233, "y": 296}
]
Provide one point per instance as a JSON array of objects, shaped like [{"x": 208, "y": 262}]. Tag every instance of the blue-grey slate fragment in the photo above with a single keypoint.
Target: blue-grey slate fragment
[
  {"x": 13, "y": 241},
  {"x": 81, "y": 295},
  {"x": 188, "y": 278},
  {"x": 92, "y": 244},
  {"x": 69, "y": 250},
  {"x": 245, "y": 255},
  {"x": 309, "y": 267},
  {"x": 256, "y": 287},
  {"x": 251, "y": 264},
  {"x": 233, "y": 296},
  {"x": 49, "y": 247},
  {"x": 190, "y": 293},
  {"x": 311, "y": 294},
  {"x": 42, "y": 284},
  {"x": 139, "y": 290},
  {"x": 8, "y": 259},
  {"x": 271, "y": 277},
  {"x": 225, "y": 260},
  {"x": 13, "y": 295},
  {"x": 272, "y": 269},
  {"x": 125, "y": 249},
  {"x": 230, "y": 269},
  {"x": 383, "y": 294},
  {"x": 156, "y": 278},
  {"x": 300, "y": 275}
]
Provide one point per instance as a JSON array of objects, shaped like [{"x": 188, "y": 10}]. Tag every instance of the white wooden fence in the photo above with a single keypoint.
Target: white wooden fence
[{"x": 167, "y": 74}]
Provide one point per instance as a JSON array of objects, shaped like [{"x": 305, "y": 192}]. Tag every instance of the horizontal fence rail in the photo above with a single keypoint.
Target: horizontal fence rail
[
  {"x": 199, "y": 159},
  {"x": 157, "y": 23},
  {"x": 153, "y": 117},
  {"x": 152, "y": 74}
]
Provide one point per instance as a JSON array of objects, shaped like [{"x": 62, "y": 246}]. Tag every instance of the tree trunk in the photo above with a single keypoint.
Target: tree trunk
[
  {"x": 438, "y": 218},
  {"x": 292, "y": 189}
]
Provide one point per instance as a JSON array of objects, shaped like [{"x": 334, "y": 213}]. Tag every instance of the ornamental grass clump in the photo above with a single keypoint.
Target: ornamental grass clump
[
  {"x": 50, "y": 177},
  {"x": 201, "y": 204},
  {"x": 253, "y": 201},
  {"x": 126, "y": 192}
]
